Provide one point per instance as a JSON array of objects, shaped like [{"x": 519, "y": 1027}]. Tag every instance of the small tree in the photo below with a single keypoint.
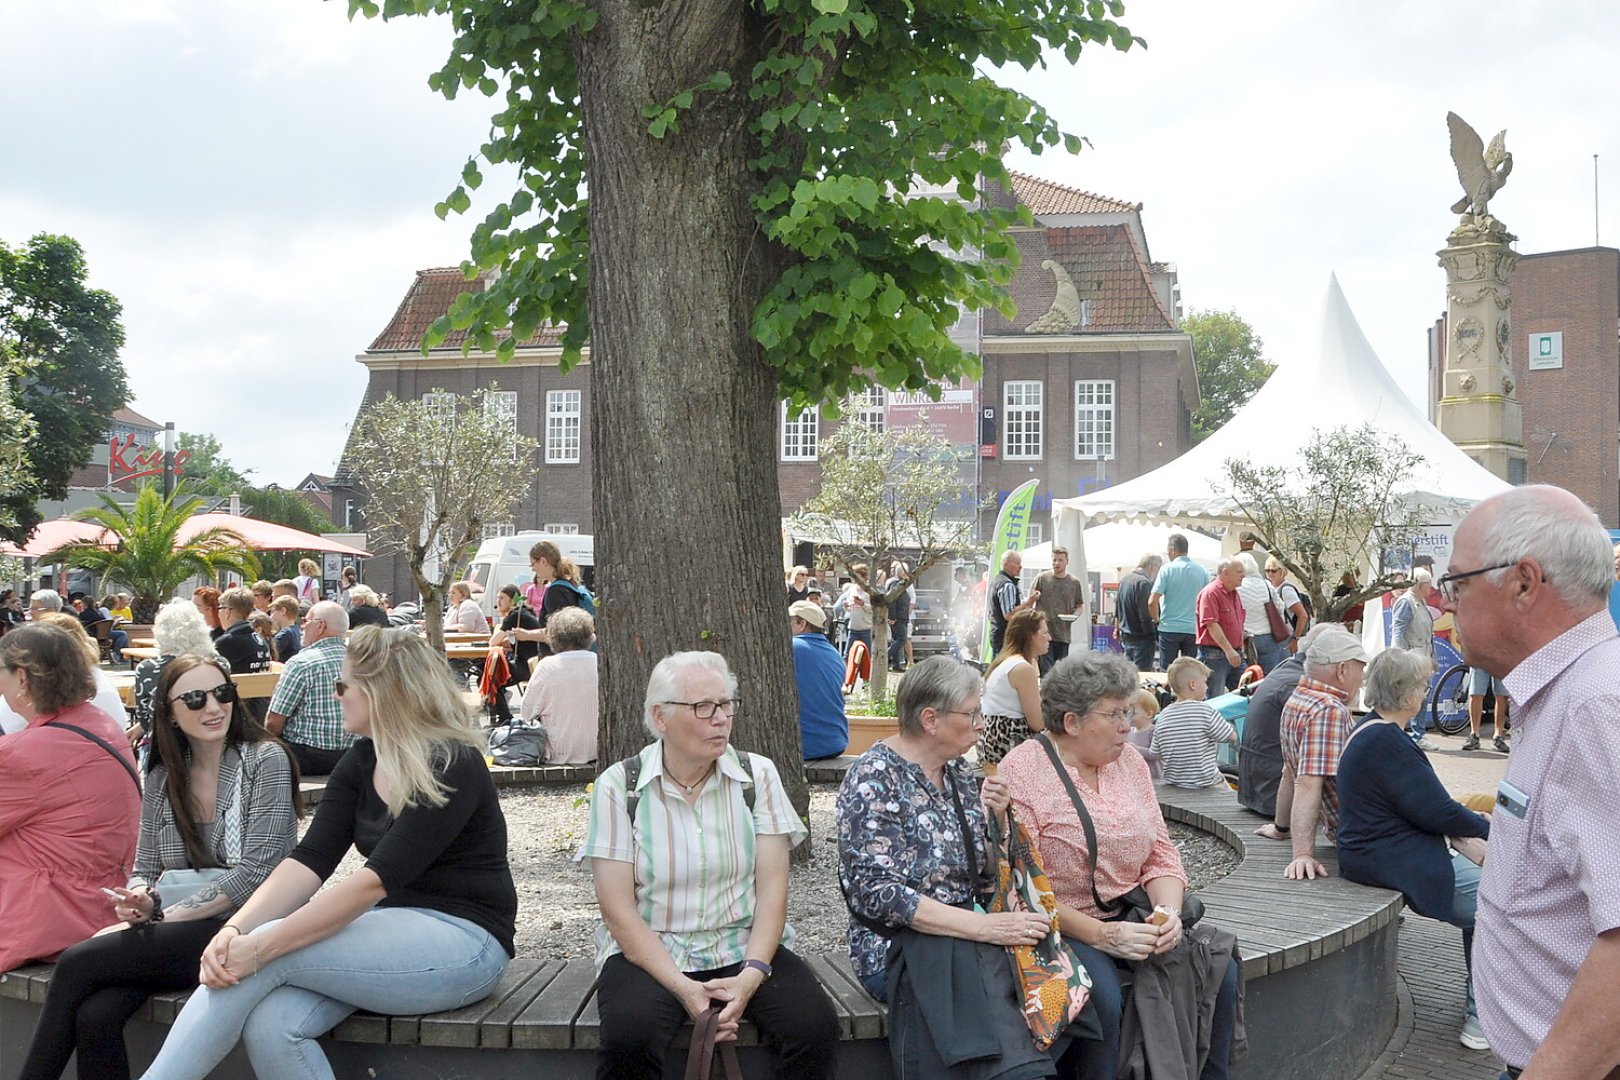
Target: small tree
[
  {"x": 434, "y": 472},
  {"x": 147, "y": 554},
  {"x": 15, "y": 468},
  {"x": 1231, "y": 366},
  {"x": 1336, "y": 511},
  {"x": 884, "y": 498}
]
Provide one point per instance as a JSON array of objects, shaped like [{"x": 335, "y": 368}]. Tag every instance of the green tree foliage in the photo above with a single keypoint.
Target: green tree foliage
[
  {"x": 148, "y": 556},
  {"x": 63, "y": 340},
  {"x": 882, "y": 500},
  {"x": 1231, "y": 367},
  {"x": 209, "y": 472},
  {"x": 434, "y": 472},
  {"x": 206, "y": 469},
  {"x": 1336, "y": 511},
  {"x": 20, "y": 435}
]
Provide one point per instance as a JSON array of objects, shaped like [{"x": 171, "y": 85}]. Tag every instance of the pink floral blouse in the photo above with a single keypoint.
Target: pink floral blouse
[{"x": 1136, "y": 846}]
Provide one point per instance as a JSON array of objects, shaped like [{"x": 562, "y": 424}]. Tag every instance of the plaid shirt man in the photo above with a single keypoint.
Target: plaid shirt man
[
  {"x": 1314, "y": 725},
  {"x": 304, "y": 696}
]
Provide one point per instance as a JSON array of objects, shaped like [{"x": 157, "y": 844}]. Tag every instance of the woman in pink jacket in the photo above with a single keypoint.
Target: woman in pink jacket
[{"x": 70, "y": 802}]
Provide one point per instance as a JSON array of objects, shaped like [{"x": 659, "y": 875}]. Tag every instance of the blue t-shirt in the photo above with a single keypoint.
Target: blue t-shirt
[
  {"x": 1614, "y": 604},
  {"x": 823, "y": 727},
  {"x": 1179, "y": 583}
]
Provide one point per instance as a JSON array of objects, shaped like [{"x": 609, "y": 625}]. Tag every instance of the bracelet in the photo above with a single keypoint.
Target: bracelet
[
  {"x": 231, "y": 926},
  {"x": 758, "y": 965}
]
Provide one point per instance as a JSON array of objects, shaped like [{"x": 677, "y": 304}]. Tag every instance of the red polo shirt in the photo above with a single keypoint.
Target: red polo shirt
[{"x": 1218, "y": 604}]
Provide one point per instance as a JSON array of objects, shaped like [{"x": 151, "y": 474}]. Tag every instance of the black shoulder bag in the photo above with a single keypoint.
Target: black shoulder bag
[
  {"x": 104, "y": 744},
  {"x": 1136, "y": 905}
]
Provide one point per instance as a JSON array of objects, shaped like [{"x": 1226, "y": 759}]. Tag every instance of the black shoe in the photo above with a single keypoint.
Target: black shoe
[
  {"x": 1500, "y": 743},
  {"x": 1471, "y": 743}
]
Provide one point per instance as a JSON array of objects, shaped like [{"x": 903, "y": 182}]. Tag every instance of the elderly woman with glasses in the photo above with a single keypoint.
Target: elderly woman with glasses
[
  {"x": 221, "y": 795},
  {"x": 1396, "y": 818},
  {"x": 424, "y": 925},
  {"x": 914, "y": 864},
  {"x": 1088, "y": 704},
  {"x": 688, "y": 845}
]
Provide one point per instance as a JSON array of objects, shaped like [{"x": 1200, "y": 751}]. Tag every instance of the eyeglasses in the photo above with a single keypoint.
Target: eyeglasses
[
  {"x": 975, "y": 718},
  {"x": 1127, "y": 714},
  {"x": 705, "y": 710},
  {"x": 1448, "y": 582},
  {"x": 339, "y": 687},
  {"x": 224, "y": 693}
]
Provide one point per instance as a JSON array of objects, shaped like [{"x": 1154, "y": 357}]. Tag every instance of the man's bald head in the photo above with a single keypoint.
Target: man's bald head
[{"x": 329, "y": 616}]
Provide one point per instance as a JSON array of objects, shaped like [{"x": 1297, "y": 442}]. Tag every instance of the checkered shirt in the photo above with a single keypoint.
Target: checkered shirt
[
  {"x": 304, "y": 696},
  {"x": 1315, "y": 723}
]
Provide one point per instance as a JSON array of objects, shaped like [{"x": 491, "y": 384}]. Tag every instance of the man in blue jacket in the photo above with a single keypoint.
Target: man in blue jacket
[{"x": 819, "y": 670}]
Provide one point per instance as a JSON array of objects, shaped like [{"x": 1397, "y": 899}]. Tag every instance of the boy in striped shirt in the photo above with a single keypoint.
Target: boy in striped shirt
[{"x": 1188, "y": 730}]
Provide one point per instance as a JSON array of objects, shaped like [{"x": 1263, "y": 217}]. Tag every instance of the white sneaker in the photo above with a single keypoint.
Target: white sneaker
[
  {"x": 1426, "y": 743},
  {"x": 1473, "y": 1036}
]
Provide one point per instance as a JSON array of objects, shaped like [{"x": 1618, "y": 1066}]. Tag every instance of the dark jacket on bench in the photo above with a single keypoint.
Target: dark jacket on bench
[{"x": 1165, "y": 1031}]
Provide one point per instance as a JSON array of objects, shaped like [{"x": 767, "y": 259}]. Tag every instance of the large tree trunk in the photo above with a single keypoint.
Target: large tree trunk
[{"x": 688, "y": 548}]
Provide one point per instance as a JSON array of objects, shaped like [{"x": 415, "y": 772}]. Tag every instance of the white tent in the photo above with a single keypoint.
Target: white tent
[
  {"x": 1118, "y": 546},
  {"x": 1345, "y": 384}
]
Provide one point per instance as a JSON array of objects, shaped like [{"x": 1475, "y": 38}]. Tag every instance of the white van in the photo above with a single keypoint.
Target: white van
[{"x": 504, "y": 560}]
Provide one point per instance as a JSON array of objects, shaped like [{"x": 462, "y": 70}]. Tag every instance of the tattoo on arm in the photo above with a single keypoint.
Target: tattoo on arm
[{"x": 198, "y": 898}]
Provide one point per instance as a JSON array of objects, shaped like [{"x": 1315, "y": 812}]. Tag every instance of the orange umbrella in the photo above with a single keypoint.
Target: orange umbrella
[
  {"x": 265, "y": 535},
  {"x": 50, "y": 535}
]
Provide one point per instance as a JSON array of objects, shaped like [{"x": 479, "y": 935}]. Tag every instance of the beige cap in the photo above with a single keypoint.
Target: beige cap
[
  {"x": 810, "y": 613},
  {"x": 1333, "y": 644}
]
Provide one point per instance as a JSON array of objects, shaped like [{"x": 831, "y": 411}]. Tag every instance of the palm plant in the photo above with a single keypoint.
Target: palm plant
[{"x": 147, "y": 554}]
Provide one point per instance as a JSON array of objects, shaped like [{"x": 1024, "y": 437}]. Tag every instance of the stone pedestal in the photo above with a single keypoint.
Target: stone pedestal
[{"x": 1478, "y": 410}]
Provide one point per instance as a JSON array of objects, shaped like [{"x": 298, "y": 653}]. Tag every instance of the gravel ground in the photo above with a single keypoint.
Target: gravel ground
[{"x": 557, "y": 914}]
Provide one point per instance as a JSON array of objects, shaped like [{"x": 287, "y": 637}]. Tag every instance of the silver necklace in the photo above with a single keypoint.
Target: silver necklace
[{"x": 693, "y": 786}]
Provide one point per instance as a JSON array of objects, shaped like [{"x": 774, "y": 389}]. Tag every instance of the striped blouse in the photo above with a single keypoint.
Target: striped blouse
[{"x": 694, "y": 861}]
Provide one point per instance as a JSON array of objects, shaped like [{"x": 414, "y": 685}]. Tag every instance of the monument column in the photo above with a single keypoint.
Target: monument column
[{"x": 1478, "y": 410}]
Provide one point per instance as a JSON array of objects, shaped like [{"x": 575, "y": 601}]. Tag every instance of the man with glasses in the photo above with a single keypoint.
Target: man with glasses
[
  {"x": 1315, "y": 723},
  {"x": 1530, "y": 578},
  {"x": 44, "y": 602},
  {"x": 304, "y": 711}
]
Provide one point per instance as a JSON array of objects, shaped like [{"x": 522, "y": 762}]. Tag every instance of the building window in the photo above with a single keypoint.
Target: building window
[
  {"x": 349, "y": 512},
  {"x": 565, "y": 528},
  {"x": 1023, "y": 420},
  {"x": 562, "y": 427},
  {"x": 500, "y": 406},
  {"x": 800, "y": 434},
  {"x": 866, "y": 408},
  {"x": 503, "y": 528},
  {"x": 1094, "y": 420},
  {"x": 1033, "y": 534}
]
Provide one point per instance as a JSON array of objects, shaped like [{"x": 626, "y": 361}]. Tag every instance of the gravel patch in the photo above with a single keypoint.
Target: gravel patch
[{"x": 557, "y": 915}]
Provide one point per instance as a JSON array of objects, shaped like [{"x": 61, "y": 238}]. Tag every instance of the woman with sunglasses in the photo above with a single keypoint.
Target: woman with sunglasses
[
  {"x": 425, "y": 925},
  {"x": 220, "y": 793}
]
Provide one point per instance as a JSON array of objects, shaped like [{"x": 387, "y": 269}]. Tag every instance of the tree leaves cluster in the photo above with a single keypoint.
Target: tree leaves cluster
[
  {"x": 209, "y": 472},
  {"x": 1336, "y": 511},
  {"x": 1231, "y": 363},
  {"x": 884, "y": 498},
  {"x": 879, "y": 142},
  {"x": 434, "y": 472},
  {"x": 59, "y": 342}
]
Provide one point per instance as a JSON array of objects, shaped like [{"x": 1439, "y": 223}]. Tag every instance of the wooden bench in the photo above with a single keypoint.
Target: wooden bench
[{"x": 1318, "y": 960}]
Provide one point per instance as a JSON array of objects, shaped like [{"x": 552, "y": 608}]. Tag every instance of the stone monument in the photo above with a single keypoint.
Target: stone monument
[{"x": 1478, "y": 410}]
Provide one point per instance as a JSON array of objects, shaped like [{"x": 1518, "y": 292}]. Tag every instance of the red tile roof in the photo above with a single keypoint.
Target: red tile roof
[
  {"x": 1045, "y": 197},
  {"x": 430, "y": 296},
  {"x": 134, "y": 419},
  {"x": 1107, "y": 269}
]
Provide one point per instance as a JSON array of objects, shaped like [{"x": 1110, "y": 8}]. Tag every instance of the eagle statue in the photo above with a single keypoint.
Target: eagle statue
[{"x": 1482, "y": 169}]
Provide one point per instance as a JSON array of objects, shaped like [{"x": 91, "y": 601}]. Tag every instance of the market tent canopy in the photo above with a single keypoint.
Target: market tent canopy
[
  {"x": 266, "y": 535},
  {"x": 1118, "y": 546},
  {"x": 1344, "y": 384},
  {"x": 50, "y": 535}
]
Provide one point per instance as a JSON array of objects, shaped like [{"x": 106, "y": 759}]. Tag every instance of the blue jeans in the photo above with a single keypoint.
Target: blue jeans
[
  {"x": 1270, "y": 651},
  {"x": 1464, "y": 902},
  {"x": 395, "y": 961},
  {"x": 1140, "y": 652},
  {"x": 1420, "y": 723},
  {"x": 1222, "y": 675},
  {"x": 1174, "y": 645},
  {"x": 858, "y": 635}
]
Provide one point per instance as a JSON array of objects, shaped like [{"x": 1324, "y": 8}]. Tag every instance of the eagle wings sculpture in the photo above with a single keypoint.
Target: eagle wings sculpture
[{"x": 1482, "y": 169}]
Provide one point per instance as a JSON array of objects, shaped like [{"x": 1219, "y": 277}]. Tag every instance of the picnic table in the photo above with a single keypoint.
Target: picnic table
[{"x": 257, "y": 685}]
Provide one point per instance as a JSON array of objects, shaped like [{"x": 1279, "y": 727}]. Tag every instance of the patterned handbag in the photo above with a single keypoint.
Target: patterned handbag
[{"x": 1054, "y": 982}]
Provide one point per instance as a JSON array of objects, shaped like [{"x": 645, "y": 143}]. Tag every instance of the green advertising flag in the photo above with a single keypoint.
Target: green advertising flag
[{"x": 1012, "y": 525}]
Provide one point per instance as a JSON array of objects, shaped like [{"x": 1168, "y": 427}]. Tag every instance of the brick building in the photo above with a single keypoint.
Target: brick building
[{"x": 1566, "y": 371}]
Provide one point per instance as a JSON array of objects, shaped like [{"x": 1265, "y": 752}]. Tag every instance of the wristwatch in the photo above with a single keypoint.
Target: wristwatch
[
  {"x": 157, "y": 905},
  {"x": 758, "y": 965}
]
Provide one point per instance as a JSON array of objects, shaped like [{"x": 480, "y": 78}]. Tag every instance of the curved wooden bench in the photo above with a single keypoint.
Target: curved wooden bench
[{"x": 1318, "y": 961}]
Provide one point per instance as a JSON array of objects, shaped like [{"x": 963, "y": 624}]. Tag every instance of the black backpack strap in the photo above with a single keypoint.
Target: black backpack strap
[
  {"x": 747, "y": 766},
  {"x": 632, "y": 796},
  {"x": 104, "y": 744},
  {"x": 1085, "y": 821}
]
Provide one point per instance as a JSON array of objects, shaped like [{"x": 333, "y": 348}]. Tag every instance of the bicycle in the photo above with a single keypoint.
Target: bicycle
[{"x": 1448, "y": 700}]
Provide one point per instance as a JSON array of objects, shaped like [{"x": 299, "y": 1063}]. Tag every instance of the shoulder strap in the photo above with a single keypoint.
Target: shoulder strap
[
  {"x": 967, "y": 833},
  {"x": 632, "y": 794},
  {"x": 1085, "y": 819},
  {"x": 749, "y": 791},
  {"x": 105, "y": 745}
]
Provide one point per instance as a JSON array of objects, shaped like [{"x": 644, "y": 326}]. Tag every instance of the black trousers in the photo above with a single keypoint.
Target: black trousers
[
  {"x": 100, "y": 983},
  {"x": 313, "y": 761},
  {"x": 640, "y": 1019}
]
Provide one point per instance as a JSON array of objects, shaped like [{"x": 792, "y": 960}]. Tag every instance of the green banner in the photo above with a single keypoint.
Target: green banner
[{"x": 1012, "y": 526}]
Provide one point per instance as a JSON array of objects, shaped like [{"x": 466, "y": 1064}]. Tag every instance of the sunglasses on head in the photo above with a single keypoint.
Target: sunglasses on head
[{"x": 224, "y": 693}]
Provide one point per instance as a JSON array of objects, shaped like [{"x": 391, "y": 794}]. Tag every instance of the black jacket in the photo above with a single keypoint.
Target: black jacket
[{"x": 1131, "y": 607}]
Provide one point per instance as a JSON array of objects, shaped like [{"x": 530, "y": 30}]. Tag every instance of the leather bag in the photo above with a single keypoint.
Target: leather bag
[{"x": 701, "y": 1055}]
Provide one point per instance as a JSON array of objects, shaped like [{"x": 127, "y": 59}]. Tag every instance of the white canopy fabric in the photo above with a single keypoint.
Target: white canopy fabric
[
  {"x": 1345, "y": 384},
  {"x": 1119, "y": 546}
]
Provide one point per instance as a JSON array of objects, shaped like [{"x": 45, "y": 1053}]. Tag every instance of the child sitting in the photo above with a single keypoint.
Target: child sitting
[
  {"x": 1186, "y": 733},
  {"x": 1141, "y": 735}
]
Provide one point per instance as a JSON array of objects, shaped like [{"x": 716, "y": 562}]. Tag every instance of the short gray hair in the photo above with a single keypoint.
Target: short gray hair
[
  {"x": 332, "y": 614},
  {"x": 939, "y": 682},
  {"x": 364, "y": 595},
  {"x": 1150, "y": 561},
  {"x": 1538, "y": 521},
  {"x": 570, "y": 629},
  {"x": 1076, "y": 683},
  {"x": 664, "y": 683},
  {"x": 46, "y": 598},
  {"x": 1420, "y": 576},
  {"x": 1394, "y": 676},
  {"x": 179, "y": 630}
]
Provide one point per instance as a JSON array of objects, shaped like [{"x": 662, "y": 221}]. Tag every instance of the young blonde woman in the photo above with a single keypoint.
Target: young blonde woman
[{"x": 425, "y": 925}]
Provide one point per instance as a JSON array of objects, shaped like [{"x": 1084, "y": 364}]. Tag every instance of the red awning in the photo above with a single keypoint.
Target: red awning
[
  {"x": 50, "y": 535},
  {"x": 266, "y": 535}
]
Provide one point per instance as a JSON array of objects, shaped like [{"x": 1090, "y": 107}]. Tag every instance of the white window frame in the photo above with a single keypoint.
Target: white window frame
[
  {"x": 1034, "y": 533},
  {"x": 441, "y": 405},
  {"x": 565, "y": 528},
  {"x": 502, "y": 405},
  {"x": 564, "y": 427},
  {"x": 800, "y": 436},
  {"x": 498, "y": 529},
  {"x": 867, "y": 408},
  {"x": 1096, "y": 419},
  {"x": 1023, "y": 425},
  {"x": 349, "y": 509}
]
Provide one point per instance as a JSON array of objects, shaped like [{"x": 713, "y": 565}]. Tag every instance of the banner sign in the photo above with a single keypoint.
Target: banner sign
[
  {"x": 127, "y": 461},
  {"x": 1012, "y": 525}
]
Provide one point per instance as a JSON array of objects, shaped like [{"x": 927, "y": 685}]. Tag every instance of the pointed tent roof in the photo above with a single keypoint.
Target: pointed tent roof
[{"x": 1344, "y": 384}]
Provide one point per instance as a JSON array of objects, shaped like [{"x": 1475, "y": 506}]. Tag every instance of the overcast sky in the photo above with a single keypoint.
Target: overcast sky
[{"x": 255, "y": 180}]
